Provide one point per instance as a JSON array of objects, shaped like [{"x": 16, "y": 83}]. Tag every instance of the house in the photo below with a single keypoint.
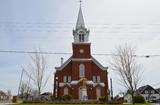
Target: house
[
  {"x": 128, "y": 98},
  {"x": 3, "y": 96},
  {"x": 149, "y": 93},
  {"x": 158, "y": 90},
  {"x": 47, "y": 96},
  {"x": 81, "y": 76}
]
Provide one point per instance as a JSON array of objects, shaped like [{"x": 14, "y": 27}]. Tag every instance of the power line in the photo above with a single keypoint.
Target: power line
[
  {"x": 71, "y": 22},
  {"x": 11, "y": 26},
  {"x": 31, "y": 52},
  {"x": 102, "y": 29},
  {"x": 57, "y": 53}
]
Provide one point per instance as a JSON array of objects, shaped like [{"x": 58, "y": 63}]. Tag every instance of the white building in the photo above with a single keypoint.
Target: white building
[{"x": 149, "y": 93}]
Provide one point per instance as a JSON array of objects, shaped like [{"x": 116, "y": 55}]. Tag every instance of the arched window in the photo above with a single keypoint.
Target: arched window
[
  {"x": 81, "y": 37},
  {"x": 94, "y": 79},
  {"x": 98, "y": 79},
  {"x": 81, "y": 71},
  {"x": 64, "y": 78}
]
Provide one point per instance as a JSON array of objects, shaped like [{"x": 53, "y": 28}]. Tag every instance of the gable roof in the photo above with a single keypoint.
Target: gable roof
[
  {"x": 99, "y": 65},
  {"x": 158, "y": 90},
  {"x": 143, "y": 88},
  {"x": 81, "y": 59},
  {"x": 64, "y": 64}
]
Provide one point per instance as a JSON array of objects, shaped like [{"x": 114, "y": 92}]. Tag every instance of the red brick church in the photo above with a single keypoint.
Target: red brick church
[{"x": 81, "y": 75}]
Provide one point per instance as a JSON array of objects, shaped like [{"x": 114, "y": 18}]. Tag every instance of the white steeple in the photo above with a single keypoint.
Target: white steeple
[
  {"x": 80, "y": 20},
  {"x": 80, "y": 33}
]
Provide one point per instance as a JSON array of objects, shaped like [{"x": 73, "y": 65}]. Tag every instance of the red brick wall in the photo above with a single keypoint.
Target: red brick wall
[
  {"x": 76, "y": 50},
  {"x": 90, "y": 69},
  {"x": 72, "y": 69},
  {"x": 75, "y": 69},
  {"x": 103, "y": 74},
  {"x": 67, "y": 71}
]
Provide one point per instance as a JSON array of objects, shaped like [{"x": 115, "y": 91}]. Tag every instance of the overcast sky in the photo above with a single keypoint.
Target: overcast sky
[{"x": 48, "y": 24}]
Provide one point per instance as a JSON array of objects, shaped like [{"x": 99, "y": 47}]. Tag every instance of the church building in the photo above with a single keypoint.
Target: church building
[{"x": 81, "y": 76}]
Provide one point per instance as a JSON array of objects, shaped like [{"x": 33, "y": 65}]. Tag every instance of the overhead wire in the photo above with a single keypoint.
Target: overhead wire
[
  {"x": 25, "y": 26},
  {"x": 59, "y": 53},
  {"x": 64, "y": 27}
]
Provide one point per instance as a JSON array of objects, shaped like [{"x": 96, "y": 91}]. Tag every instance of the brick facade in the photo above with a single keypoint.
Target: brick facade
[
  {"x": 81, "y": 75},
  {"x": 72, "y": 69},
  {"x": 76, "y": 50}
]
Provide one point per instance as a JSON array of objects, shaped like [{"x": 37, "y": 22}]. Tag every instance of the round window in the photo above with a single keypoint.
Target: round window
[{"x": 81, "y": 51}]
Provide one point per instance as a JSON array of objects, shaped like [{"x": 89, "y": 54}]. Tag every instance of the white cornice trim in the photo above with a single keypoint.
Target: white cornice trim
[
  {"x": 82, "y": 60},
  {"x": 84, "y": 43},
  {"x": 75, "y": 82},
  {"x": 98, "y": 64},
  {"x": 62, "y": 84},
  {"x": 64, "y": 64},
  {"x": 101, "y": 84}
]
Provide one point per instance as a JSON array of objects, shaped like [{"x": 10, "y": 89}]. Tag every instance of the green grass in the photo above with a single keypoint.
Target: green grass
[{"x": 74, "y": 104}]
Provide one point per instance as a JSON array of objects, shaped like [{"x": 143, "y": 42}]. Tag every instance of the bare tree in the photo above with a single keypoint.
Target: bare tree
[
  {"x": 25, "y": 90},
  {"x": 125, "y": 65},
  {"x": 9, "y": 94},
  {"x": 38, "y": 70}
]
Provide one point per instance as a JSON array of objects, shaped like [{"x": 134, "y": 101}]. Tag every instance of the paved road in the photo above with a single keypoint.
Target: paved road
[
  {"x": 6, "y": 103},
  {"x": 155, "y": 103}
]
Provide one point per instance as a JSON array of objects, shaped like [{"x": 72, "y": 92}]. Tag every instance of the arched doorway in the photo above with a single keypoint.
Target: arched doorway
[{"x": 83, "y": 94}]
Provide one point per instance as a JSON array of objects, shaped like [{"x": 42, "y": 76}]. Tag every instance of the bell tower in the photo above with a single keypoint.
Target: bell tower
[
  {"x": 81, "y": 45},
  {"x": 81, "y": 75},
  {"x": 80, "y": 33}
]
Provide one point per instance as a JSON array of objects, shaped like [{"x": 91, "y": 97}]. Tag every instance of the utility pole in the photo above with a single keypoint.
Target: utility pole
[
  {"x": 28, "y": 88},
  {"x": 20, "y": 81},
  {"x": 111, "y": 89}
]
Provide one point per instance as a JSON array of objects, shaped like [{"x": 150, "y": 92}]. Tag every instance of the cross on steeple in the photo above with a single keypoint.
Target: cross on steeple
[{"x": 80, "y": 1}]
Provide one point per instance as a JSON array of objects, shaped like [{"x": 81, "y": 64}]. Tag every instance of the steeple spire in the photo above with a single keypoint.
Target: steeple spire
[
  {"x": 80, "y": 33},
  {"x": 80, "y": 20}
]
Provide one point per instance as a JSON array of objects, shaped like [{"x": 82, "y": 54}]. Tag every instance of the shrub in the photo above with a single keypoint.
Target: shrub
[
  {"x": 139, "y": 99},
  {"x": 67, "y": 97},
  {"x": 103, "y": 99}
]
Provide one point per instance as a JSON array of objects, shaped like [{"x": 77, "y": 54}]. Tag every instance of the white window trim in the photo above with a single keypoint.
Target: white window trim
[
  {"x": 69, "y": 79},
  {"x": 94, "y": 78},
  {"x": 64, "y": 78},
  {"x": 98, "y": 79},
  {"x": 81, "y": 70}
]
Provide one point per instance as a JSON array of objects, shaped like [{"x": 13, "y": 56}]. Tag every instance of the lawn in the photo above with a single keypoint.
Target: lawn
[{"x": 76, "y": 104}]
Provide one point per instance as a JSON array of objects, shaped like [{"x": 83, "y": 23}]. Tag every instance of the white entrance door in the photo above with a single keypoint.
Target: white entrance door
[
  {"x": 83, "y": 94},
  {"x": 98, "y": 92}
]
